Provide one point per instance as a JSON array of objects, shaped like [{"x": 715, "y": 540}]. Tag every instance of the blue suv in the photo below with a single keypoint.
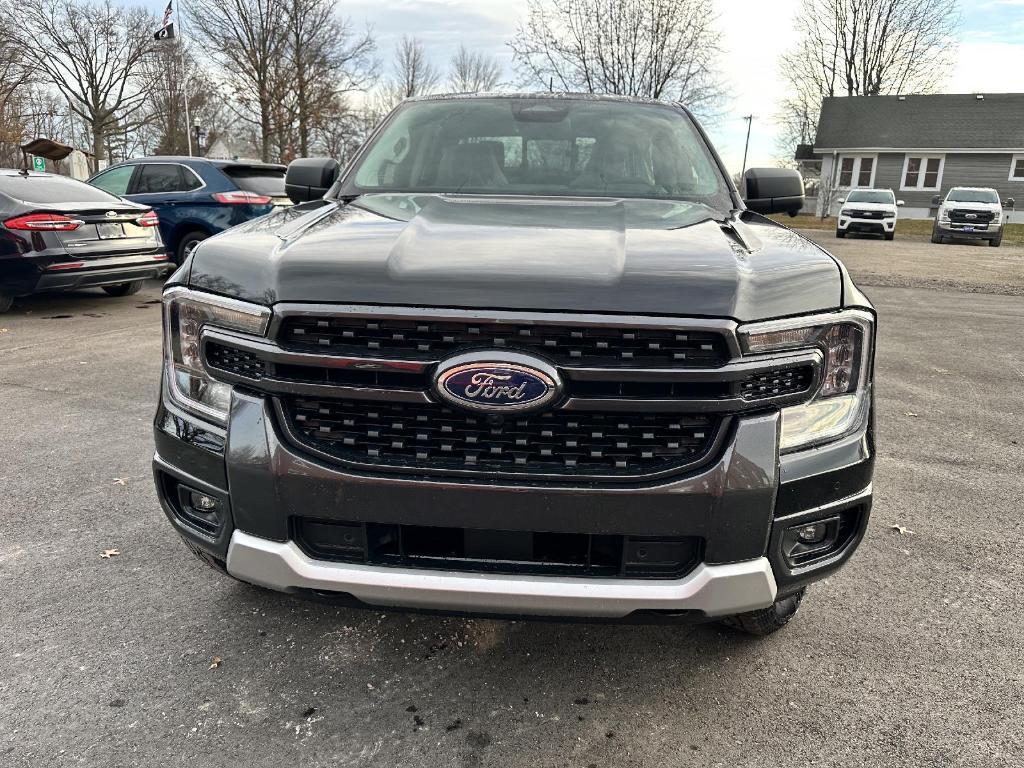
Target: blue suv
[{"x": 195, "y": 197}]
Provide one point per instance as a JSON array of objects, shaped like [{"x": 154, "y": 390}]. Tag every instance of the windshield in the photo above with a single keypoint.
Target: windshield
[
  {"x": 870, "y": 196},
  {"x": 973, "y": 196},
  {"x": 543, "y": 147}
]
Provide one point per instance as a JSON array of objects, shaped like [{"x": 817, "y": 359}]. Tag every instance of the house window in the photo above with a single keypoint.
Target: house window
[
  {"x": 856, "y": 171},
  {"x": 1017, "y": 168},
  {"x": 923, "y": 172}
]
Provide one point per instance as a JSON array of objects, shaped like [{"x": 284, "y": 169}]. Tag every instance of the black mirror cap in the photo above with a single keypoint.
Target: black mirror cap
[
  {"x": 309, "y": 178},
  {"x": 936, "y": 199},
  {"x": 773, "y": 190},
  {"x": 1009, "y": 203}
]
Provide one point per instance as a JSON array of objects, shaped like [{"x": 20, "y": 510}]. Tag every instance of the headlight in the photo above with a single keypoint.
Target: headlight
[
  {"x": 888, "y": 214},
  {"x": 944, "y": 214},
  {"x": 842, "y": 400},
  {"x": 186, "y": 313}
]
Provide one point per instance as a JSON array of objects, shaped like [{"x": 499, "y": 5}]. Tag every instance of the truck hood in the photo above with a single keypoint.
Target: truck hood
[{"x": 578, "y": 255}]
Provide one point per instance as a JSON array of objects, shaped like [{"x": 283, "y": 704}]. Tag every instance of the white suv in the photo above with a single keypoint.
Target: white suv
[
  {"x": 970, "y": 212},
  {"x": 868, "y": 210}
]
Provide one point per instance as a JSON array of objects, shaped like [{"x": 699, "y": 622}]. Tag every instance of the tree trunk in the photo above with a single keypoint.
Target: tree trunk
[{"x": 98, "y": 144}]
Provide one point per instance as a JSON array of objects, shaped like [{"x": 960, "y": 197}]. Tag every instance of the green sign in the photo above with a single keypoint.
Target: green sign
[{"x": 39, "y": 164}]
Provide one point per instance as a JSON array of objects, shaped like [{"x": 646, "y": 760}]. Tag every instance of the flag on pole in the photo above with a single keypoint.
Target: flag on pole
[{"x": 166, "y": 31}]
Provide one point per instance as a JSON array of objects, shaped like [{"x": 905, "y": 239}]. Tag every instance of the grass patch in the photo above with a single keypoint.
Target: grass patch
[{"x": 1013, "y": 234}]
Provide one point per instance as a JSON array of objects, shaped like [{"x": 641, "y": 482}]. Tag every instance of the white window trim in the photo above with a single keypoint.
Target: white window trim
[
  {"x": 1013, "y": 164},
  {"x": 856, "y": 170},
  {"x": 920, "y": 178}
]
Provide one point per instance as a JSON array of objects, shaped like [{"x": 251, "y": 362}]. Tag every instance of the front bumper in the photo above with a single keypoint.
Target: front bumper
[
  {"x": 872, "y": 226},
  {"x": 978, "y": 232},
  {"x": 739, "y": 506}
]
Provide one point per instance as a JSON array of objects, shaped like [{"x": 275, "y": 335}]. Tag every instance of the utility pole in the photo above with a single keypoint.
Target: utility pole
[{"x": 750, "y": 120}]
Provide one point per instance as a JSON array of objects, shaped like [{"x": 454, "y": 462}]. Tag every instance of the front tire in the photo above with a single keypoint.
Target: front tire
[
  {"x": 936, "y": 237},
  {"x": 767, "y": 620},
  {"x": 889, "y": 235},
  {"x": 840, "y": 233},
  {"x": 124, "y": 289},
  {"x": 6, "y": 302},
  {"x": 995, "y": 241}
]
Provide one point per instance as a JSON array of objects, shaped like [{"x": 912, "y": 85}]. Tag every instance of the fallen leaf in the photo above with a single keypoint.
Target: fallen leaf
[
  {"x": 120, "y": 481},
  {"x": 901, "y": 530},
  {"x": 4, "y": 330},
  {"x": 911, "y": 413},
  {"x": 215, "y": 662},
  {"x": 109, "y": 553}
]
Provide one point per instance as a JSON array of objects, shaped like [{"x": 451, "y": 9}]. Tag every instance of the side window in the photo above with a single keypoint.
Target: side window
[
  {"x": 156, "y": 178},
  {"x": 115, "y": 181},
  {"x": 191, "y": 181}
]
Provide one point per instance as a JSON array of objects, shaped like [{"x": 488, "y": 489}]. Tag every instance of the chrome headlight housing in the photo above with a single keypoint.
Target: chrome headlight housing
[
  {"x": 186, "y": 313},
  {"x": 842, "y": 401}
]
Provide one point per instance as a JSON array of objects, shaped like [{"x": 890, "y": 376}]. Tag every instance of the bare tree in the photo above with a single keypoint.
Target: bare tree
[
  {"x": 473, "y": 71},
  {"x": 176, "y": 74},
  {"x": 249, "y": 40},
  {"x": 863, "y": 48},
  {"x": 326, "y": 57},
  {"x": 414, "y": 74},
  {"x": 90, "y": 50},
  {"x": 654, "y": 48}
]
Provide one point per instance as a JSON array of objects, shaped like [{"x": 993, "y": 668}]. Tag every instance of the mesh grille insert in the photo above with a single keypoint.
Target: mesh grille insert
[
  {"x": 408, "y": 438},
  {"x": 574, "y": 345}
]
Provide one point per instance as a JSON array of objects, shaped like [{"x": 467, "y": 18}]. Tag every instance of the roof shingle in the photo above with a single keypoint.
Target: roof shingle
[{"x": 934, "y": 121}]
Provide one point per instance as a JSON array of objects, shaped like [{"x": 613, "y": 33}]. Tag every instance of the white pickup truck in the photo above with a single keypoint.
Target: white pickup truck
[{"x": 969, "y": 212}]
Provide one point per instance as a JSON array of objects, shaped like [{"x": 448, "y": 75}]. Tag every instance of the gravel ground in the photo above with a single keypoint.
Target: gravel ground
[
  {"x": 910, "y": 656},
  {"x": 908, "y": 262}
]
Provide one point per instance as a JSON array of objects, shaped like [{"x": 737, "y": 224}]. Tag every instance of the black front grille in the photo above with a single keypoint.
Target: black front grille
[
  {"x": 240, "y": 362},
  {"x": 865, "y": 214},
  {"x": 491, "y": 551},
  {"x": 567, "y": 344},
  {"x": 788, "y": 381},
  {"x": 963, "y": 216},
  {"x": 414, "y": 439}
]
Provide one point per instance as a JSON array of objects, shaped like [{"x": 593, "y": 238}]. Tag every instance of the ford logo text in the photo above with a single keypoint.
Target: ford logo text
[{"x": 513, "y": 384}]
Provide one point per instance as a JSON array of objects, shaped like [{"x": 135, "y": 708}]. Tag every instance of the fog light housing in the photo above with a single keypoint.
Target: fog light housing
[
  {"x": 812, "y": 533},
  {"x": 203, "y": 503},
  {"x": 810, "y": 540}
]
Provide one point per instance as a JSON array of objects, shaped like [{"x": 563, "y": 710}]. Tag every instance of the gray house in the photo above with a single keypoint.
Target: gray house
[{"x": 920, "y": 146}]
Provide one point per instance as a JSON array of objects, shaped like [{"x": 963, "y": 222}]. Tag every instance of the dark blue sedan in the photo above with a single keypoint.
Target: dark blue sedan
[{"x": 195, "y": 197}]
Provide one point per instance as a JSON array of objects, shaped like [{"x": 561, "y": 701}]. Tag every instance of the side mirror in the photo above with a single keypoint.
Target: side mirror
[
  {"x": 936, "y": 199},
  {"x": 309, "y": 178},
  {"x": 773, "y": 190},
  {"x": 900, "y": 203},
  {"x": 841, "y": 200},
  {"x": 1009, "y": 203}
]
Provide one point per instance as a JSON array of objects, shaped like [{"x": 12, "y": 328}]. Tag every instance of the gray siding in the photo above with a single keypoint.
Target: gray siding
[{"x": 960, "y": 170}]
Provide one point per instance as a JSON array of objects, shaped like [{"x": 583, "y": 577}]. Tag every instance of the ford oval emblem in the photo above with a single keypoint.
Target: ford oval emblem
[{"x": 497, "y": 381}]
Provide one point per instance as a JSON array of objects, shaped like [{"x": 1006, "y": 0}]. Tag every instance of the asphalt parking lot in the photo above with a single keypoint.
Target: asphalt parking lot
[{"x": 913, "y": 655}]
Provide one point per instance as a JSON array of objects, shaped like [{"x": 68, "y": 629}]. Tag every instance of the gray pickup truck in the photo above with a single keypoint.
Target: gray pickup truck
[{"x": 527, "y": 355}]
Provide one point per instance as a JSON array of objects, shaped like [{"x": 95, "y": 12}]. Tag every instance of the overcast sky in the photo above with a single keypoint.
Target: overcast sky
[{"x": 755, "y": 32}]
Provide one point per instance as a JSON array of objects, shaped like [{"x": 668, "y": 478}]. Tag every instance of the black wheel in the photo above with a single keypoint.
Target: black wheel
[
  {"x": 840, "y": 233},
  {"x": 936, "y": 237},
  {"x": 995, "y": 241},
  {"x": 188, "y": 244},
  {"x": 124, "y": 289},
  {"x": 889, "y": 235},
  {"x": 6, "y": 302},
  {"x": 767, "y": 620}
]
